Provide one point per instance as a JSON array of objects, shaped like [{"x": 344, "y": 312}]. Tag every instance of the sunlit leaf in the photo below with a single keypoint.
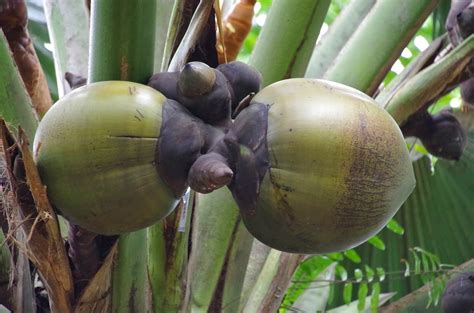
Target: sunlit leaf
[
  {"x": 380, "y": 273},
  {"x": 341, "y": 272},
  {"x": 352, "y": 255},
  {"x": 425, "y": 263},
  {"x": 352, "y": 307},
  {"x": 395, "y": 227},
  {"x": 437, "y": 291},
  {"x": 361, "y": 295},
  {"x": 433, "y": 258},
  {"x": 369, "y": 272},
  {"x": 331, "y": 294},
  {"x": 433, "y": 161},
  {"x": 336, "y": 256},
  {"x": 421, "y": 149},
  {"x": 304, "y": 276},
  {"x": 315, "y": 296},
  {"x": 445, "y": 101},
  {"x": 358, "y": 274},
  {"x": 347, "y": 293},
  {"x": 315, "y": 265},
  {"x": 407, "y": 268},
  {"x": 374, "y": 299},
  {"x": 417, "y": 262},
  {"x": 377, "y": 242}
]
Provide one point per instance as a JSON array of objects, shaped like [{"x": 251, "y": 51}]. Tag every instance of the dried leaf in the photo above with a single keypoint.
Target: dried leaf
[
  {"x": 32, "y": 210},
  {"x": 96, "y": 297}
]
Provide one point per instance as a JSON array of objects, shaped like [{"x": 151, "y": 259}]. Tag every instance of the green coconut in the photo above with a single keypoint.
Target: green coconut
[
  {"x": 335, "y": 167},
  {"x": 95, "y": 150}
]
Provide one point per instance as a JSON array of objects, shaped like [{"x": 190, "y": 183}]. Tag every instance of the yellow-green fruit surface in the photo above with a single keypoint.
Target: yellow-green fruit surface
[
  {"x": 95, "y": 150},
  {"x": 339, "y": 168}
]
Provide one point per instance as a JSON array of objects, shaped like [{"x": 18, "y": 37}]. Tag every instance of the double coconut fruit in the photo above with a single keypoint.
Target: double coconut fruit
[{"x": 314, "y": 166}]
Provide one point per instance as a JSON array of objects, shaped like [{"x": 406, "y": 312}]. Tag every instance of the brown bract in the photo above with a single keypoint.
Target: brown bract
[{"x": 236, "y": 27}]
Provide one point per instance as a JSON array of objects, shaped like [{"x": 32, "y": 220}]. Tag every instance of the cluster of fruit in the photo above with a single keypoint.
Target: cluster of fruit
[{"x": 314, "y": 166}]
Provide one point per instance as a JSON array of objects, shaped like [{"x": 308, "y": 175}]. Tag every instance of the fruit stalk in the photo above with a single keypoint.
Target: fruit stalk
[
  {"x": 337, "y": 36},
  {"x": 370, "y": 53},
  {"x": 290, "y": 48},
  {"x": 121, "y": 40}
]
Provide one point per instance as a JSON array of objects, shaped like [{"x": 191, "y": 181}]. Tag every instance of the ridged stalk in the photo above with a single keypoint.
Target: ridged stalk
[
  {"x": 411, "y": 70},
  {"x": 236, "y": 267},
  {"x": 429, "y": 83},
  {"x": 122, "y": 48},
  {"x": 166, "y": 36},
  {"x": 122, "y": 40},
  {"x": 156, "y": 264},
  {"x": 285, "y": 44},
  {"x": 214, "y": 227},
  {"x": 68, "y": 26},
  {"x": 256, "y": 262},
  {"x": 130, "y": 285},
  {"x": 337, "y": 36},
  {"x": 168, "y": 258},
  {"x": 262, "y": 284},
  {"x": 173, "y": 262},
  {"x": 267, "y": 294},
  {"x": 370, "y": 52}
]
